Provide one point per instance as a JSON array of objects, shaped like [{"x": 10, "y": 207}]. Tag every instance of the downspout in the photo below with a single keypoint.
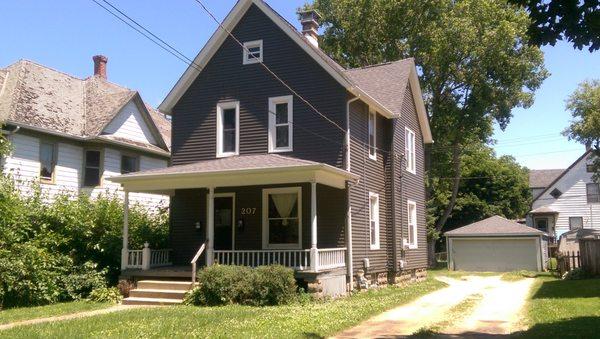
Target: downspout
[
  {"x": 349, "y": 263},
  {"x": 394, "y": 219}
]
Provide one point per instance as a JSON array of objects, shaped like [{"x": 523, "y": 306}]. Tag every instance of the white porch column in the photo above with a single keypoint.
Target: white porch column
[
  {"x": 314, "y": 252},
  {"x": 125, "y": 249},
  {"x": 210, "y": 227}
]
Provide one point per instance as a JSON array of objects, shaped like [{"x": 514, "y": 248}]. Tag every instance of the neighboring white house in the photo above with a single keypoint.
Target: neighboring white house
[
  {"x": 70, "y": 134},
  {"x": 570, "y": 201}
]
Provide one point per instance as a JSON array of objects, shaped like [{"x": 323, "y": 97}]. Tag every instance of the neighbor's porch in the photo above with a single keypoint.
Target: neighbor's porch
[{"x": 293, "y": 216}]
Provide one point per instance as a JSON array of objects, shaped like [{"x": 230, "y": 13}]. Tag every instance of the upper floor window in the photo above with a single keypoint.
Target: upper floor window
[
  {"x": 253, "y": 52},
  {"x": 592, "y": 192},
  {"x": 281, "y": 111},
  {"x": 541, "y": 224},
  {"x": 129, "y": 164},
  {"x": 409, "y": 150},
  {"x": 92, "y": 169},
  {"x": 590, "y": 168},
  {"x": 374, "y": 220},
  {"x": 228, "y": 128},
  {"x": 47, "y": 160},
  {"x": 575, "y": 223},
  {"x": 556, "y": 193},
  {"x": 372, "y": 135},
  {"x": 412, "y": 224}
]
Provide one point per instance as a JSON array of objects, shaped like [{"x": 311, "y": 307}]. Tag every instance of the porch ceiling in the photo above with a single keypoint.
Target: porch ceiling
[{"x": 248, "y": 170}]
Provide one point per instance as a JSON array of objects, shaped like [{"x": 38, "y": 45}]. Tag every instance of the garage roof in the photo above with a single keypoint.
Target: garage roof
[{"x": 494, "y": 226}]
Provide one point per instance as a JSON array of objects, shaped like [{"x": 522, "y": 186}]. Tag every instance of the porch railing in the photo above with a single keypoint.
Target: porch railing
[
  {"x": 147, "y": 258},
  {"x": 297, "y": 259},
  {"x": 159, "y": 258},
  {"x": 135, "y": 258}
]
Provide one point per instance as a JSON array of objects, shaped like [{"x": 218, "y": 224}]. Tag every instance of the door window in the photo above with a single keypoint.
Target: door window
[{"x": 224, "y": 223}]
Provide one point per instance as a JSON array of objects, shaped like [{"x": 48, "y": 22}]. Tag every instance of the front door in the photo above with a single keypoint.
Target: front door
[{"x": 224, "y": 222}]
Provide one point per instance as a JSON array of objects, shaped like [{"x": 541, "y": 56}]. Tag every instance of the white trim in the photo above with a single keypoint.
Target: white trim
[
  {"x": 412, "y": 224},
  {"x": 220, "y": 108},
  {"x": 252, "y": 44},
  {"x": 233, "y": 221},
  {"x": 376, "y": 245},
  {"x": 273, "y": 102},
  {"x": 374, "y": 146},
  {"x": 410, "y": 150},
  {"x": 265, "y": 217}
]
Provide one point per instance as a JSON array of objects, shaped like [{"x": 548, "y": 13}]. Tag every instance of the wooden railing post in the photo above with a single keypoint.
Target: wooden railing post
[{"x": 146, "y": 253}]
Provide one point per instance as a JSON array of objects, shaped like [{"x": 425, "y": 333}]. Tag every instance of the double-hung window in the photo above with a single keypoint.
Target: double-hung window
[
  {"x": 592, "y": 192},
  {"x": 575, "y": 223},
  {"x": 372, "y": 135},
  {"x": 228, "y": 128},
  {"x": 374, "y": 220},
  {"x": 281, "y": 112},
  {"x": 409, "y": 150},
  {"x": 253, "y": 52},
  {"x": 92, "y": 169},
  {"x": 47, "y": 161},
  {"x": 412, "y": 224},
  {"x": 129, "y": 164},
  {"x": 282, "y": 217}
]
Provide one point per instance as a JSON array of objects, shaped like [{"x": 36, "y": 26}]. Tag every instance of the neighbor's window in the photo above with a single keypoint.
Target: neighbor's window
[
  {"x": 409, "y": 149},
  {"x": 575, "y": 222},
  {"x": 556, "y": 193},
  {"x": 592, "y": 192},
  {"x": 47, "y": 160},
  {"x": 282, "y": 217},
  {"x": 412, "y": 224},
  {"x": 129, "y": 164},
  {"x": 541, "y": 224},
  {"x": 253, "y": 52},
  {"x": 374, "y": 220},
  {"x": 372, "y": 135},
  {"x": 91, "y": 175},
  {"x": 590, "y": 168},
  {"x": 281, "y": 124},
  {"x": 228, "y": 128}
]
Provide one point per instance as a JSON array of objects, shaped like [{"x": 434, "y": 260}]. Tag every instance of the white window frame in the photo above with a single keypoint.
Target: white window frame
[
  {"x": 373, "y": 147},
  {"x": 252, "y": 44},
  {"x": 273, "y": 102},
  {"x": 374, "y": 216},
  {"x": 220, "y": 108},
  {"x": 410, "y": 150},
  {"x": 265, "y": 217},
  {"x": 412, "y": 224}
]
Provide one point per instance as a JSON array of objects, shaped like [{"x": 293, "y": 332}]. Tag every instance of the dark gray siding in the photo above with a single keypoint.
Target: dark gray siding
[
  {"x": 187, "y": 208},
  {"x": 374, "y": 178},
  {"x": 225, "y": 78}
]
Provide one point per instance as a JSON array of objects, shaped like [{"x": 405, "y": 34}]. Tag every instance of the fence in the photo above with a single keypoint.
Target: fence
[
  {"x": 590, "y": 255},
  {"x": 567, "y": 261}
]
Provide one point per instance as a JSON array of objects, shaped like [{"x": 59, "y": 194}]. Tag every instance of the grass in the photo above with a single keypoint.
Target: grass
[
  {"x": 314, "y": 319},
  {"x": 28, "y": 313},
  {"x": 563, "y": 308}
]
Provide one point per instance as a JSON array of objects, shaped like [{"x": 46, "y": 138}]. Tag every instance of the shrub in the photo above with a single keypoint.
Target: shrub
[
  {"x": 266, "y": 285},
  {"x": 576, "y": 274},
  {"x": 106, "y": 295}
]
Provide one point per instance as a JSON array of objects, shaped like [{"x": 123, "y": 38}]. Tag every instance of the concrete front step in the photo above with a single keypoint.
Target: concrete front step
[
  {"x": 164, "y": 285},
  {"x": 151, "y": 301},
  {"x": 155, "y": 293}
]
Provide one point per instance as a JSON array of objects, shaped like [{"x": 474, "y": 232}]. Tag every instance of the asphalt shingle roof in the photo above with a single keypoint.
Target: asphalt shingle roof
[
  {"x": 543, "y": 178},
  {"x": 494, "y": 226}
]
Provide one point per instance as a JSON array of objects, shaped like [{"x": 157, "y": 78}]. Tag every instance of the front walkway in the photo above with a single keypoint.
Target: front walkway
[{"x": 496, "y": 313}]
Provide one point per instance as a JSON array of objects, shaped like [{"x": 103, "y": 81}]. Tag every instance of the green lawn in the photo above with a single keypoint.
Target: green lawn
[
  {"x": 314, "y": 319},
  {"x": 27, "y": 313},
  {"x": 564, "y": 308}
]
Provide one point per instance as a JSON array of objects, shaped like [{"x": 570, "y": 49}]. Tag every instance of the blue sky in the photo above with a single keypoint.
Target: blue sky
[{"x": 65, "y": 35}]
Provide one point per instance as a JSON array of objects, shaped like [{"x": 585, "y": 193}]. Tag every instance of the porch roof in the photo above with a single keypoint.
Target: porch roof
[{"x": 246, "y": 170}]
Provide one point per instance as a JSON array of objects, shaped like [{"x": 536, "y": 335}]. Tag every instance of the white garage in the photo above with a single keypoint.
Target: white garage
[{"x": 496, "y": 244}]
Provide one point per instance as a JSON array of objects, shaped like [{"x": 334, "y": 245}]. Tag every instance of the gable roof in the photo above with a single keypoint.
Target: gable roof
[
  {"x": 494, "y": 226},
  {"x": 353, "y": 80},
  {"x": 550, "y": 185},
  {"x": 38, "y": 97},
  {"x": 543, "y": 178}
]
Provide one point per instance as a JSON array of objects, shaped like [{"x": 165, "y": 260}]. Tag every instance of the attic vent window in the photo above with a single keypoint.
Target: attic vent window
[
  {"x": 253, "y": 52},
  {"x": 556, "y": 193}
]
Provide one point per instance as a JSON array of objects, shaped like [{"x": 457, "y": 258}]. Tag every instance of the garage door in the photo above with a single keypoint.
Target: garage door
[{"x": 496, "y": 255}]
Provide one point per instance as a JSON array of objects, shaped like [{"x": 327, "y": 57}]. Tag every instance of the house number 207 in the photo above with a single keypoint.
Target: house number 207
[{"x": 249, "y": 211}]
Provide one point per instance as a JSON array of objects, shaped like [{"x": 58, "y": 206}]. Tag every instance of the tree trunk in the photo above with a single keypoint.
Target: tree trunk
[{"x": 432, "y": 262}]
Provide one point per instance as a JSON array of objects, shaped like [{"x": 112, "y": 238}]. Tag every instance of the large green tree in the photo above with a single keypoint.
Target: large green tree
[{"x": 475, "y": 60}]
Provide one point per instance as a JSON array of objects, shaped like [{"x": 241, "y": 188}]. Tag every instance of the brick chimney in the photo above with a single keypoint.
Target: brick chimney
[
  {"x": 100, "y": 66},
  {"x": 310, "y": 25}
]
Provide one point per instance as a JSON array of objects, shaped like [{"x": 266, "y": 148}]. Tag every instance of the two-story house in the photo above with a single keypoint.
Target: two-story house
[
  {"x": 68, "y": 135},
  {"x": 281, "y": 155},
  {"x": 570, "y": 201}
]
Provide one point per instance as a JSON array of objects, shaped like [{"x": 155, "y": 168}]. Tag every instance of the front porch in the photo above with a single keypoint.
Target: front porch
[{"x": 293, "y": 215}]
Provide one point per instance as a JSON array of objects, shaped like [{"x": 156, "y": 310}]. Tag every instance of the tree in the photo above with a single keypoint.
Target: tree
[
  {"x": 576, "y": 21},
  {"x": 491, "y": 186},
  {"x": 475, "y": 62}
]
